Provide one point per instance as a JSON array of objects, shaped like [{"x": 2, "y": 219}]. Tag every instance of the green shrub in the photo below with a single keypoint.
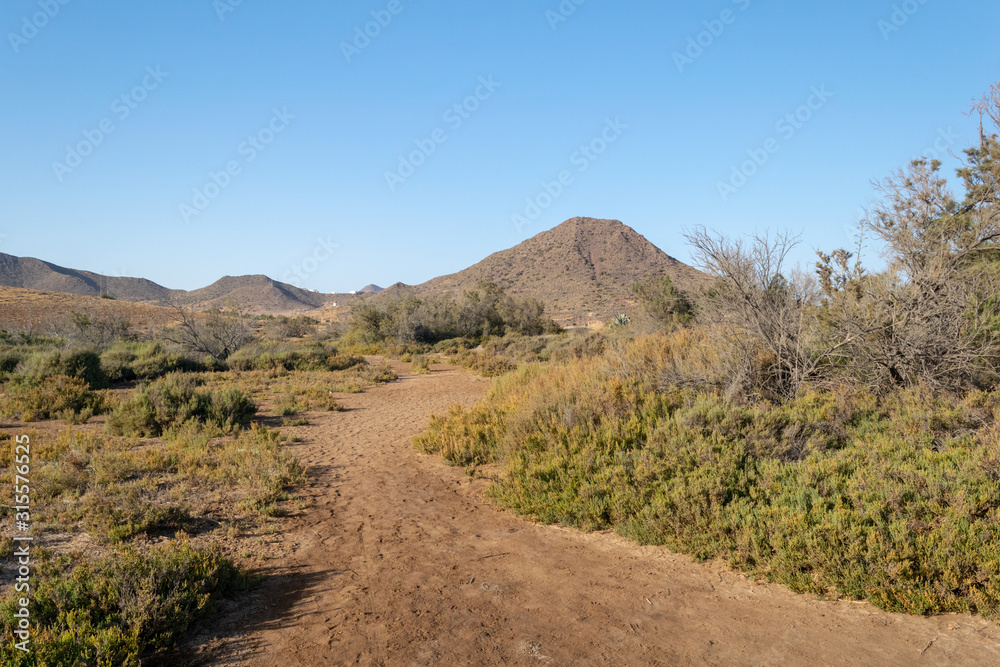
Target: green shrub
[
  {"x": 110, "y": 612},
  {"x": 118, "y": 512},
  {"x": 486, "y": 363},
  {"x": 255, "y": 460},
  {"x": 80, "y": 363},
  {"x": 283, "y": 355},
  {"x": 420, "y": 364},
  {"x": 230, "y": 408},
  {"x": 480, "y": 313},
  {"x": 10, "y": 359},
  {"x": 35, "y": 399},
  {"x": 174, "y": 399},
  {"x": 133, "y": 361},
  {"x": 287, "y": 406}
]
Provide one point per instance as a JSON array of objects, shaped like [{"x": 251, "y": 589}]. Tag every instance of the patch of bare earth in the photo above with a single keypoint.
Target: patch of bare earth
[{"x": 399, "y": 561}]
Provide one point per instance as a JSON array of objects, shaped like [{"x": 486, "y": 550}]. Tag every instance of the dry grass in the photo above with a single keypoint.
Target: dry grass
[{"x": 41, "y": 312}]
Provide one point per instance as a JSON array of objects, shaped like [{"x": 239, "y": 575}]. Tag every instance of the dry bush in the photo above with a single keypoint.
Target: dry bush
[
  {"x": 932, "y": 316},
  {"x": 218, "y": 334},
  {"x": 764, "y": 322}
]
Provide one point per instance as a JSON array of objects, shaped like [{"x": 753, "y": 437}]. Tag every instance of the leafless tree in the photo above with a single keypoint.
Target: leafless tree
[
  {"x": 931, "y": 316},
  {"x": 217, "y": 333},
  {"x": 100, "y": 328},
  {"x": 766, "y": 320}
]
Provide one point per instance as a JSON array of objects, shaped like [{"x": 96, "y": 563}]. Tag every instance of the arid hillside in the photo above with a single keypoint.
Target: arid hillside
[
  {"x": 36, "y": 311},
  {"x": 257, "y": 293},
  {"x": 583, "y": 270}
]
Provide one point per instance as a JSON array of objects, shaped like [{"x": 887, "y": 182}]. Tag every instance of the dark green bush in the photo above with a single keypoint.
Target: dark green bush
[
  {"x": 10, "y": 358},
  {"x": 483, "y": 312},
  {"x": 75, "y": 362},
  {"x": 175, "y": 399},
  {"x": 282, "y": 355},
  {"x": 34, "y": 399},
  {"x": 111, "y": 612},
  {"x": 134, "y": 361},
  {"x": 230, "y": 408}
]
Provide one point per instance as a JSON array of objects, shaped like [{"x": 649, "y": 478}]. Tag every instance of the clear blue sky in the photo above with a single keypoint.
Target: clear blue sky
[{"x": 224, "y": 69}]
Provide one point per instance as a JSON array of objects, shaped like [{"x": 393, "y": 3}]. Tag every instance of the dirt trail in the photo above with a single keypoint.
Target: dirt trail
[{"x": 398, "y": 561}]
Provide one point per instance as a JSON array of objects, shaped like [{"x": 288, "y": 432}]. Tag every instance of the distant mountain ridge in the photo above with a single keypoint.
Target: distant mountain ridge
[
  {"x": 256, "y": 293},
  {"x": 582, "y": 270}
]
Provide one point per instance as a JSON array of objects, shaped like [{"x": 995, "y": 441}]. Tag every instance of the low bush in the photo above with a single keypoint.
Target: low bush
[
  {"x": 118, "y": 512},
  {"x": 173, "y": 400},
  {"x": 561, "y": 347},
  {"x": 254, "y": 461},
  {"x": 80, "y": 363},
  {"x": 112, "y": 611},
  {"x": 282, "y": 355},
  {"x": 145, "y": 361},
  {"x": 36, "y": 399},
  {"x": 229, "y": 409},
  {"x": 10, "y": 359},
  {"x": 488, "y": 364}
]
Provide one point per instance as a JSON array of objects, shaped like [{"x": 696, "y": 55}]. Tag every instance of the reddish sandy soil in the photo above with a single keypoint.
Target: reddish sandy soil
[{"x": 399, "y": 561}]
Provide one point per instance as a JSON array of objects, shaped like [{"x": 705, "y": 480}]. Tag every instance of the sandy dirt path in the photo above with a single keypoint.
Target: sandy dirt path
[{"x": 399, "y": 561}]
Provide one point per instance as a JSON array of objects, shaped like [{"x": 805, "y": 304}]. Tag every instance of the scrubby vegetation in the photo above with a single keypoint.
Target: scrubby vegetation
[
  {"x": 112, "y": 611},
  {"x": 175, "y": 400},
  {"x": 176, "y": 495},
  {"x": 284, "y": 355},
  {"x": 892, "y": 499},
  {"x": 837, "y": 433},
  {"x": 479, "y": 314},
  {"x": 131, "y": 361},
  {"x": 68, "y": 398}
]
